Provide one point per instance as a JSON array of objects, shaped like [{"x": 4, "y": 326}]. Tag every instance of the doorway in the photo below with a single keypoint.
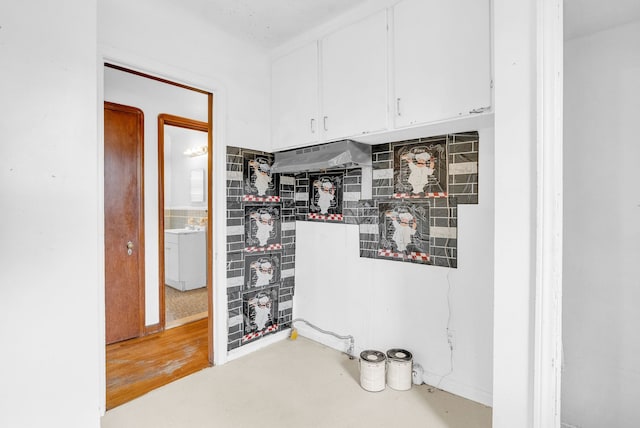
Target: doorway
[
  {"x": 183, "y": 165},
  {"x": 135, "y": 362}
]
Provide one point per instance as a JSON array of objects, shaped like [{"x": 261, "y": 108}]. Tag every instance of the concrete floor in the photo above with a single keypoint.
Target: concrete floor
[{"x": 299, "y": 384}]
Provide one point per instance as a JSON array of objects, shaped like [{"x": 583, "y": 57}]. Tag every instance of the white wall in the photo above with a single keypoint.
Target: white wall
[
  {"x": 162, "y": 38},
  {"x": 49, "y": 267},
  {"x": 601, "y": 377},
  {"x": 515, "y": 222},
  {"x": 153, "y": 98},
  {"x": 164, "y": 32},
  {"x": 386, "y": 304}
]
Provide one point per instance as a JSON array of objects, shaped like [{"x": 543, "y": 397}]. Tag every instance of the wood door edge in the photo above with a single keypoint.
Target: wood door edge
[
  {"x": 161, "y": 261},
  {"x": 183, "y": 122},
  {"x": 210, "y": 241},
  {"x": 125, "y": 108},
  {"x": 116, "y": 107},
  {"x": 141, "y": 223},
  {"x": 153, "y": 329}
]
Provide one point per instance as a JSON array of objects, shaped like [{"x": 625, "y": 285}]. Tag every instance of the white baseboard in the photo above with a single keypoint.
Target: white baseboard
[
  {"x": 450, "y": 385},
  {"x": 259, "y": 344},
  {"x": 460, "y": 389},
  {"x": 341, "y": 345}
]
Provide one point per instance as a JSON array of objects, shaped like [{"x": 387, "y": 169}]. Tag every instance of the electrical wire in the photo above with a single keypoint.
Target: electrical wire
[
  {"x": 449, "y": 341},
  {"x": 350, "y": 338}
]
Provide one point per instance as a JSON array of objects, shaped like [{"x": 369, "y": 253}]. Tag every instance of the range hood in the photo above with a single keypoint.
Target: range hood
[{"x": 338, "y": 155}]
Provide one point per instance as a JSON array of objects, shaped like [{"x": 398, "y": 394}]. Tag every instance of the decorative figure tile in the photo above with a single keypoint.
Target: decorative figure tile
[
  {"x": 404, "y": 231},
  {"x": 259, "y": 184},
  {"x": 260, "y": 313},
  {"x": 325, "y": 196},
  {"x": 262, "y": 270},
  {"x": 420, "y": 169},
  {"x": 262, "y": 228}
]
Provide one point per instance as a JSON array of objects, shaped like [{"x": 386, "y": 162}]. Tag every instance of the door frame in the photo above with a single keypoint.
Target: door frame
[
  {"x": 527, "y": 339},
  {"x": 186, "y": 123},
  {"x": 115, "y": 56},
  {"x": 547, "y": 379},
  {"x": 140, "y": 251}
]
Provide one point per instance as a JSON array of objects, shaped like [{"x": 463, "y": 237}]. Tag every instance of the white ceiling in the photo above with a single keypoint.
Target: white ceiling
[
  {"x": 582, "y": 17},
  {"x": 270, "y": 23}
]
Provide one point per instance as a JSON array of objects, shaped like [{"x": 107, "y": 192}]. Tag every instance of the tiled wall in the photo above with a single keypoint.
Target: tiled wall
[
  {"x": 460, "y": 153},
  {"x": 463, "y": 167},
  {"x": 403, "y": 221},
  {"x": 242, "y": 256},
  {"x": 179, "y": 218},
  {"x": 348, "y": 194}
]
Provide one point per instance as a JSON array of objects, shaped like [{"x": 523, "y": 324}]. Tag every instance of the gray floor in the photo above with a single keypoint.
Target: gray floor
[{"x": 299, "y": 384}]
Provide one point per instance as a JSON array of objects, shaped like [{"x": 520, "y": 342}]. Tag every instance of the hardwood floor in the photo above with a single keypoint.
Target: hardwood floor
[{"x": 137, "y": 366}]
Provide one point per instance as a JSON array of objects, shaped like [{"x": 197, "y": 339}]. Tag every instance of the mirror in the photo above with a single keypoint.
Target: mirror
[{"x": 197, "y": 185}]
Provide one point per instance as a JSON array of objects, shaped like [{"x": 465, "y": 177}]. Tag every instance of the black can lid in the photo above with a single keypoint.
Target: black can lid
[
  {"x": 399, "y": 354},
  {"x": 372, "y": 356}
]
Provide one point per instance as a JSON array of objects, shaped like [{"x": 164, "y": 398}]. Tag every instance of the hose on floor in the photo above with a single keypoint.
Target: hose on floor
[{"x": 350, "y": 338}]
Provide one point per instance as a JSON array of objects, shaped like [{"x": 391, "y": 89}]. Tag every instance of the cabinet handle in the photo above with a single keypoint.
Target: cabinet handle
[
  {"x": 398, "y": 107},
  {"x": 325, "y": 123},
  {"x": 313, "y": 126}
]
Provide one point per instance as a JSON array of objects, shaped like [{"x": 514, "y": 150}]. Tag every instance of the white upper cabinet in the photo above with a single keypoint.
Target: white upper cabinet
[
  {"x": 354, "y": 79},
  {"x": 294, "y": 92},
  {"x": 431, "y": 67},
  {"x": 441, "y": 59}
]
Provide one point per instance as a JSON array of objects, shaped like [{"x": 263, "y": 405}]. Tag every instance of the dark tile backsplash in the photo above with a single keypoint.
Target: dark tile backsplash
[
  {"x": 260, "y": 243},
  {"x": 411, "y": 217},
  {"x": 452, "y": 179}
]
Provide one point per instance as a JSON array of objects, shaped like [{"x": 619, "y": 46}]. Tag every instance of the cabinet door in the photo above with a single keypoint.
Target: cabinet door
[
  {"x": 441, "y": 59},
  {"x": 171, "y": 263},
  {"x": 193, "y": 257},
  {"x": 354, "y": 79},
  {"x": 294, "y": 87}
]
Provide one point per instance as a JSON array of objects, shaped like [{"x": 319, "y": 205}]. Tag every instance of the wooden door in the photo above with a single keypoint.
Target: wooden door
[{"x": 123, "y": 222}]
